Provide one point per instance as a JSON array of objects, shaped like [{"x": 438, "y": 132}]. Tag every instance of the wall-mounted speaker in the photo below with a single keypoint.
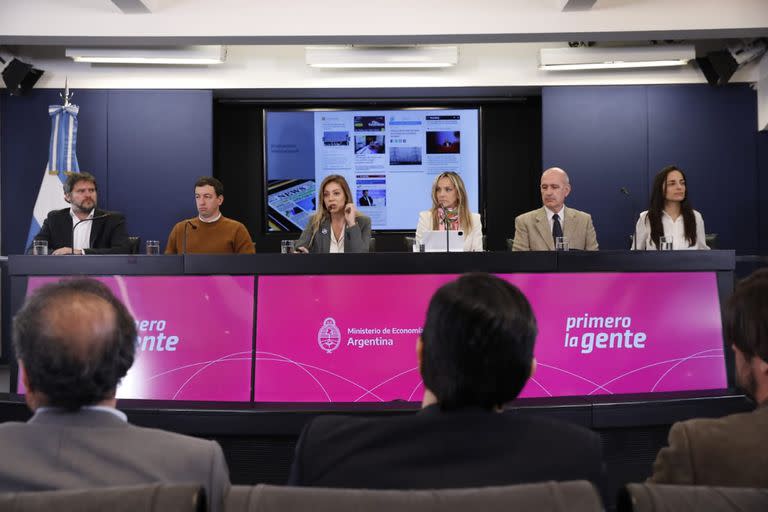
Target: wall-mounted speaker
[{"x": 20, "y": 77}]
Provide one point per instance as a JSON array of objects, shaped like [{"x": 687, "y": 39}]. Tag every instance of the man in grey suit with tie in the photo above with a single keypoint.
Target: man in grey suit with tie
[
  {"x": 538, "y": 229},
  {"x": 74, "y": 342}
]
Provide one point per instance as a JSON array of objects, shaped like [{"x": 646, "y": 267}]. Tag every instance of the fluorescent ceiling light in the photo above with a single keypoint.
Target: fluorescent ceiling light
[
  {"x": 184, "y": 55},
  {"x": 620, "y": 57},
  {"x": 369, "y": 57}
]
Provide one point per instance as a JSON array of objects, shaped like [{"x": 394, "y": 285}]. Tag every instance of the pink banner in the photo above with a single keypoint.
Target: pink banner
[
  {"x": 352, "y": 338},
  {"x": 194, "y": 335}
]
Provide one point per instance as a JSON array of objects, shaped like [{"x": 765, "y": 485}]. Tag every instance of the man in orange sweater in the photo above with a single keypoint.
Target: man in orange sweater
[{"x": 210, "y": 232}]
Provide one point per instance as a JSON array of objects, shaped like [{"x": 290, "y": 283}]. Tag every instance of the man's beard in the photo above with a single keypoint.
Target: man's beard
[
  {"x": 747, "y": 383},
  {"x": 86, "y": 210}
]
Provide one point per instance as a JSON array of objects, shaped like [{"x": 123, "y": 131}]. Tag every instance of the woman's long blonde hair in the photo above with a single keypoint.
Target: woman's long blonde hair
[
  {"x": 465, "y": 216},
  {"x": 322, "y": 213}
]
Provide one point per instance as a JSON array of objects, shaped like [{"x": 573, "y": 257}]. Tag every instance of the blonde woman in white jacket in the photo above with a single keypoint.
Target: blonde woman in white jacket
[{"x": 449, "y": 201}]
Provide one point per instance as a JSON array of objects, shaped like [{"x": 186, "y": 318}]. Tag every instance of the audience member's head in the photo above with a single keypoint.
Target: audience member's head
[
  {"x": 745, "y": 327},
  {"x": 477, "y": 345},
  {"x": 74, "y": 342},
  {"x": 555, "y": 187}
]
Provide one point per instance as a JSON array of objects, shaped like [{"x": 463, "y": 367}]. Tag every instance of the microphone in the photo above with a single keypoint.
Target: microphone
[
  {"x": 95, "y": 217},
  {"x": 625, "y": 192},
  {"x": 184, "y": 240}
]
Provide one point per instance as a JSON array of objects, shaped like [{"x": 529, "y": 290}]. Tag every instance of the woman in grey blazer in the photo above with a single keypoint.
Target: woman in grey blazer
[{"x": 337, "y": 226}]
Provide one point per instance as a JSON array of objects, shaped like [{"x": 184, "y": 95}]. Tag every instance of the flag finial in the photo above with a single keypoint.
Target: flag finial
[{"x": 66, "y": 95}]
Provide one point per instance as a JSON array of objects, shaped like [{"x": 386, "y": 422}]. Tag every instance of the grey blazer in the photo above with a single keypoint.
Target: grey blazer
[
  {"x": 92, "y": 448},
  {"x": 532, "y": 231},
  {"x": 356, "y": 239}
]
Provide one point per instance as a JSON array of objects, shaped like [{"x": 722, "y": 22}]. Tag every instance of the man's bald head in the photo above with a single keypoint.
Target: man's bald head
[
  {"x": 557, "y": 171},
  {"x": 555, "y": 187},
  {"x": 75, "y": 341}
]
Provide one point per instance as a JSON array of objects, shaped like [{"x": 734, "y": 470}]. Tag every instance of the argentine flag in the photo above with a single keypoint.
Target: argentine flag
[{"x": 62, "y": 161}]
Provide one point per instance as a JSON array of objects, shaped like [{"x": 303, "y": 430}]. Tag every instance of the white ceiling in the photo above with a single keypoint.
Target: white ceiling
[{"x": 499, "y": 39}]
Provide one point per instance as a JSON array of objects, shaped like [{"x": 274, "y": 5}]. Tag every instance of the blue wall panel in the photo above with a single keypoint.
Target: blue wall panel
[
  {"x": 762, "y": 190},
  {"x": 159, "y": 143},
  {"x": 599, "y": 136},
  {"x": 710, "y": 132},
  {"x": 26, "y": 131}
]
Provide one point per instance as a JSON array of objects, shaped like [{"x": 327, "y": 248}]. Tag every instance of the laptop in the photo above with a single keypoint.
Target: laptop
[{"x": 435, "y": 241}]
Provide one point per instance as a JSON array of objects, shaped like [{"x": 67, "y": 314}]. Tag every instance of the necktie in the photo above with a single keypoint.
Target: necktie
[{"x": 557, "y": 229}]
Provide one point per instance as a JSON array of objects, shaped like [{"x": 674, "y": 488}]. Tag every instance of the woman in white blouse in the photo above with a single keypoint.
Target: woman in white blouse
[
  {"x": 449, "y": 200},
  {"x": 670, "y": 215}
]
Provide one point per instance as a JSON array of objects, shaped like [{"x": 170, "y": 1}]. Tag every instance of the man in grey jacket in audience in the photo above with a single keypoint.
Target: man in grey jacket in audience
[{"x": 74, "y": 342}]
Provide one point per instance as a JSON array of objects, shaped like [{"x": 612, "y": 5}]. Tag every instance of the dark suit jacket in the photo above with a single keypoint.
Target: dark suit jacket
[
  {"x": 365, "y": 201},
  {"x": 108, "y": 235},
  {"x": 435, "y": 449},
  {"x": 356, "y": 239},
  {"x": 728, "y": 452},
  {"x": 92, "y": 448}
]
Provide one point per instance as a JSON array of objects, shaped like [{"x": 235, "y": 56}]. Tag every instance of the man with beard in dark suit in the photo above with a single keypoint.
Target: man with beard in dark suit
[
  {"x": 475, "y": 355},
  {"x": 96, "y": 232}
]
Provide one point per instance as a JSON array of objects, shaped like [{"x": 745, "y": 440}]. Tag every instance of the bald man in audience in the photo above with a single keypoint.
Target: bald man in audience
[
  {"x": 74, "y": 342},
  {"x": 729, "y": 451},
  {"x": 538, "y": 229}
]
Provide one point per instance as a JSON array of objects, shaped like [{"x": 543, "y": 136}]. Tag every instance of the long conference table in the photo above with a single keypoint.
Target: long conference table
[{"x": 255, "y": 345}]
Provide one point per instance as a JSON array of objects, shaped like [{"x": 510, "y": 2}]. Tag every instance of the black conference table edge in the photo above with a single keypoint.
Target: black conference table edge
[{"x": 235, "y": 418}]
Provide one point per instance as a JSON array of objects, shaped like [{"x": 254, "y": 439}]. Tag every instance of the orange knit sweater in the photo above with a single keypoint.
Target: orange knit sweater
[{"x": 225, "y": 236}]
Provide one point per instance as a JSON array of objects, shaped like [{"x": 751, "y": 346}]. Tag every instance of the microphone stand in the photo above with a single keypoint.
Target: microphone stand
[
  {"x": 626, "y": 193},
  {"x": 447, "y": 237},
  {"x": 184, "y": 240},
  {"x": 97, "y": 217}
]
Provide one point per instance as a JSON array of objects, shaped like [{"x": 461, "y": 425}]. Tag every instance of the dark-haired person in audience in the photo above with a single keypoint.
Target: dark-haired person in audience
[
  {"x": 210, "y": 232},
  {"x": 104, "y": 234},
  {"x": 670, "y": 214},
  {"x": 74, "y": 342},
  {"x": 336, "y": 226},
  {"x": 537, "y": 230},
  {"x": 475, "y": 355},
  {"x": 450, "y": 206},
  {"x": 729, "y": 451}
]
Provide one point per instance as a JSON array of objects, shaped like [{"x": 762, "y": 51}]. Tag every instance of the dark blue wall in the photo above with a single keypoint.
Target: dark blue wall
[
  {"x": 608, "y": 137},
  {"x": 145, "y": 148}
]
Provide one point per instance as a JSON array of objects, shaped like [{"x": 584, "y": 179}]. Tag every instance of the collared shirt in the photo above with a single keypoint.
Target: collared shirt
[
  {"x": 674, "y": 228},
  {"x": 104, "y": 408},
  {"x": 560, "y": 215},
  {"x": 210, "y": 221},
  {"x": 338, "y": 245},
  {"x": 81, "y": 238}
]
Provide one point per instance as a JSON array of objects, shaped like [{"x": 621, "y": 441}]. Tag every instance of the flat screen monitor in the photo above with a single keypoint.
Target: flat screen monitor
[
  {"x": 389, "y": 158},
  {"x": 352, "y": 338}
]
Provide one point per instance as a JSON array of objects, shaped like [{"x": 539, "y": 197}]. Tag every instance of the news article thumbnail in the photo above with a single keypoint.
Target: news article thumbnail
[
  {"x": 369, "y": 144},
  {"x": 369, "y": 123},
  {"x": 336, "y": 138},
  {"x": 443, "y": 142},
  {"x": 399, "y": 155}
]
